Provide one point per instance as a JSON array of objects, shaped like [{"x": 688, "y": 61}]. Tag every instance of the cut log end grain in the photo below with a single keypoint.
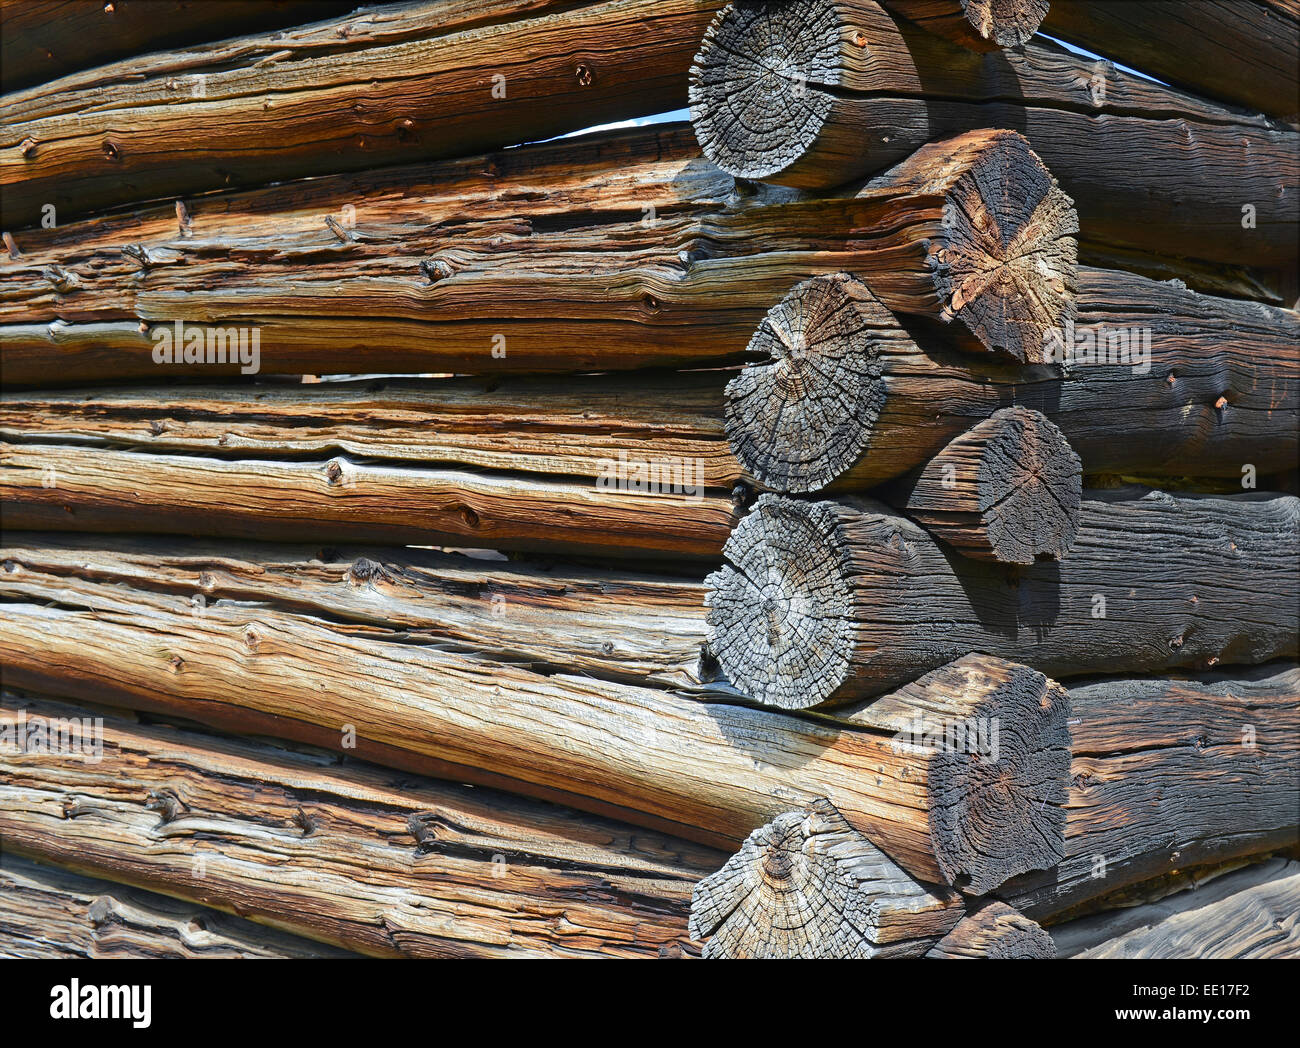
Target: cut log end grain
[
  {"x": 807, "y": 885},
  {"x": 1009, "y": 490},
  {"x": 997, "y": 932},
  {"x": 1006, "y": 23}
]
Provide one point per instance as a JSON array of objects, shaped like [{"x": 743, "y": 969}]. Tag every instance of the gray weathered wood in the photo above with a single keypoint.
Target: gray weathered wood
[{"x": 997, "y": 932}]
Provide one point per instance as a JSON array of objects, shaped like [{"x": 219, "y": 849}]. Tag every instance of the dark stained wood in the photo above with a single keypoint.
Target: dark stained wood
[
  {"x": 381, "y": 86},
  {"x": 1151, "y": 379},
  {"x": 616, "y": 251},
  {"x": 807, "y": 885},
  {"x": 1245, "y": 52},
  {"x": 344, "y": 853},
  {"x": 997, "y": 932},
  {"x": 835, "y": 601},
  {"x": 1169, "y": 774},
  {"x": 982, "y": 25},
  {"x": 815, "y": 93},
  {"x": 47, "y": 913}
]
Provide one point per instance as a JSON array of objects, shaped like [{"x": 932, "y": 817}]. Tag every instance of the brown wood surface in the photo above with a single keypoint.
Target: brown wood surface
[
  {"x": 982, "y": 25},
  {"x": 996, "y": 932},
  {"x": 379, "y": 86}
]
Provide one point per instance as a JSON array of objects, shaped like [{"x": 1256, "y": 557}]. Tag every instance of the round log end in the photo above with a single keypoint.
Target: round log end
[
  {"x": 755, "y": 96},
  {"x": 996, "y": 932},
  {"x": 789, "y": 892},
  {"x": 1007, "y": 263},
  {"x": 802, "y": 415},
  {"x": 1006, "y": 23},
  {"x": 779, "y": 611},
  {"x": 998, "y": 777}
]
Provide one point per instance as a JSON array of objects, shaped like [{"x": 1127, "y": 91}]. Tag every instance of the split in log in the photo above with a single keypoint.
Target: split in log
[
  {"x": 1007, "y": 490},
  {"x": 1171, "y": 774},
  {"x": 42, "y": 40},
  {"x": 345, "y": 854},
  {"x": 618, "y": 251},
  {"x": 807, "y": 885},
  {"x": 1249, "y": 914},
  {"x": 371, "y": 88},
  {"x": 710, "y": 771},
  {"x": 47, "y": 913},
  {"x": 997, "y": 932},
  {"x": 982, "y": 25},
  {"x": 835, "y": 601},
  {"x": 1245, "y": 52},
  {"x": 816, "y": 93},
  {"x": 1151, "y": 379}
]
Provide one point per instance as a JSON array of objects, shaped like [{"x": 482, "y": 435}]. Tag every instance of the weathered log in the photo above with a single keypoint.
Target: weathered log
[
  {"x": 372, "y": 88},
  {"x": 49, "y": 913},
  {"x": 997, "y": 932},
  {"x": 1170, "y": 774},
  {"x": 807, "y": 885},
  {"x": 68, "y": 488},
  {"x": 815, "y": 93},
  {"x": 709, "y": 771},
  {"x": 620, "y": 251},
  {"x": 1008, "y": 490},
  {"x": 346, "y": 854},
  {"x": 1151, "y": 379},
  {"x": 983, "y": 25},
  {"x": 46, "y": 39},
  {"x": 834, "y": 601},
  {"x": 1245, "y": 52},
  {"x": 1251, "y": 913}
]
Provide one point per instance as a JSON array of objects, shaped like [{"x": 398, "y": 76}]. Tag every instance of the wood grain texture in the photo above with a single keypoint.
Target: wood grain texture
[
  {"x": 982, "y": 25},
  {"x": 808, "y": 886},
  {"x": 1150, "y": 379},
  {"x": 815, "y": 93},
  {"x": 710, "y": 770},
  {"x": 380, "y": 86},
  {"x": 1248, "y": 914},
  {"x": 1245, "y": 52},
  {"x": 347, "y": 854},
  {"x": 48, "y": 913},
  {"x": 46, "y": 39},
  {"x": 619, "y": 250},
  {"x": 997, "y": 932},
  {"x": 836, "y": 601},
  {"x": 1170, "y": 774}
]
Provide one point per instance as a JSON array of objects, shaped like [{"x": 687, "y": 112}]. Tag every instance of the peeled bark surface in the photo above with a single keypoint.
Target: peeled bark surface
[
  {"x": 47, "y": 913},
  {"x": 46, "y": 39},
  {"x": 815, "y": 93},
  {"x": 1150, "y": 379},
  {"x": 710, "y": 770},
  {"x": 1250, "y": 914},
  {"x": 982, "y": 25},
  {"x": 347, "y": 854},
  {"x": 836, "y": 601},
  {"x": 621, "y": 250},
  {"x": 1245, "y": 52},
  {"x": 1007, "y": 490},
  {"x": 1171, "y": 774},
  {"x": 996, "y": 932},
  {"x": 376, "y": 87},
  {"x": 808, "y": 886}
]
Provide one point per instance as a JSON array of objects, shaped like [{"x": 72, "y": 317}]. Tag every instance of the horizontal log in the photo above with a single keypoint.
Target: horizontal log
[
  {"x": 997, "y": 932},
  {"x": 47, "y": 39},
  {"x": 982, "y": 25},
  {"x": 837, "y": 601},
  {"x": 808, "y": 886},
  {"x": 711, "y": 771},
  {"x": 47, "y": 913},
  {"x": 1150, "y": 379},
  {"x": 1247, "y": 914},
  {"x": 68, "y": 488},
  {"x": 1245, "y": 52},
  {"x": 857, "y": 90},
  {"x": 618, "y": 251},
  {"x": 375, "y": 87},
  {"x": 347, "y": 854},
  {"x": 1171, "y": 774}
]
